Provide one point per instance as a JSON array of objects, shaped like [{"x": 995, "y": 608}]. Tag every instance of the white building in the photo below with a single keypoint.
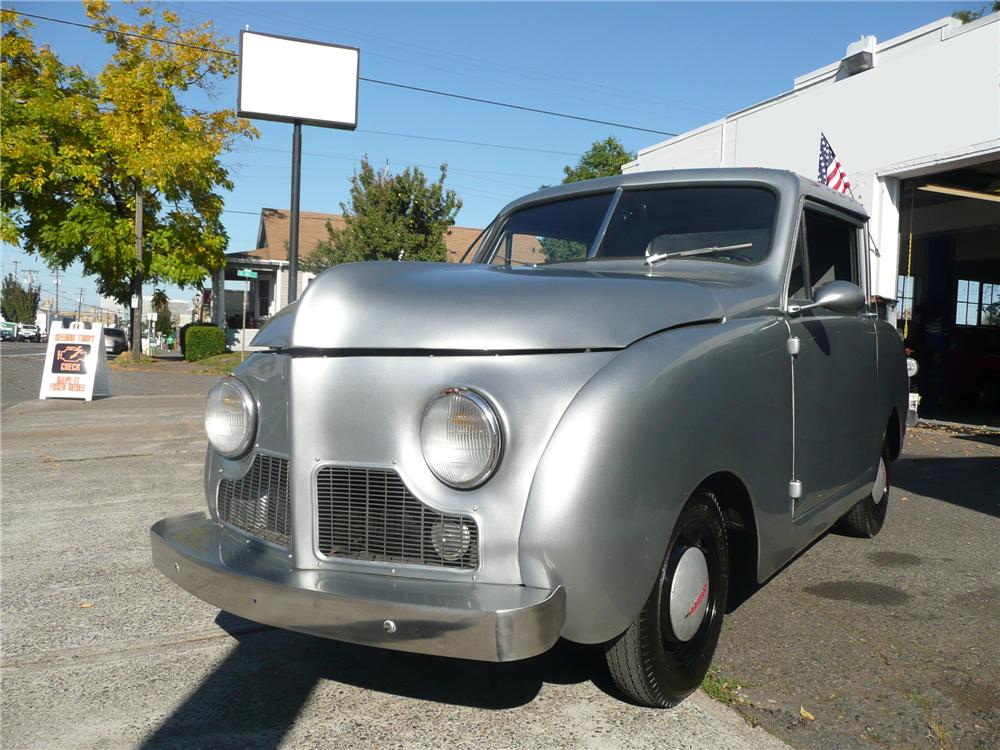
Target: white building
[{"x": 916, "y": 122}]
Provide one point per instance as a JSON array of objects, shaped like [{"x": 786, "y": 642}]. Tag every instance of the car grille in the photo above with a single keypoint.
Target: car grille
[
  {"x": 369, "y": 514},
  {"x": 258, "y": 501}
]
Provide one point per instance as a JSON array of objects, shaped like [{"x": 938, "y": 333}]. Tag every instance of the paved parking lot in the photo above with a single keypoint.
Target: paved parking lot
[
  {"x": 887, "y": 643},
  {"x": 100, "y": 650},
  {"x": 892, "y": 642}
]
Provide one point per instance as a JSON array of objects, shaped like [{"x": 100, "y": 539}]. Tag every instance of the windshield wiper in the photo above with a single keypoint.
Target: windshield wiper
[{"x": 654, "y": 259}]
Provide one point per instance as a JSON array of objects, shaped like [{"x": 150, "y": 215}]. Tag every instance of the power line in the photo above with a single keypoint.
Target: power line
[
  {"x": 536, "y": 74},
  {"x": 520, "y": 107},
  {"x": 356, "y": 158},
  {"x": 469, "y": 143},
  {"x": 419, "y": 89}
]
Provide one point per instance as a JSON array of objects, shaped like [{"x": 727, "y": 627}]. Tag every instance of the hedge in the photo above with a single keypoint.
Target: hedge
[
  {"x": 203, "y": 341},
  {"x": 184, "y": 330}
]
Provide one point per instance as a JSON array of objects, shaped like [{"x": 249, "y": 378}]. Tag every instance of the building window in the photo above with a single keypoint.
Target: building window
[
  {"x": 989, "y": 314},
  {"x": 977, "y": 304},
  {"x": 904, "y": 295}
]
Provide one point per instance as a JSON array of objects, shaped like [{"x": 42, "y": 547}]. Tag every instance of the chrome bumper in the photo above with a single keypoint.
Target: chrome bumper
[{"x": 488, "y": 622}]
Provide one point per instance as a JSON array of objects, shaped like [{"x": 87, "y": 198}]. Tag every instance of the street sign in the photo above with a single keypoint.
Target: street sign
[{"x": 247, "y": 273}]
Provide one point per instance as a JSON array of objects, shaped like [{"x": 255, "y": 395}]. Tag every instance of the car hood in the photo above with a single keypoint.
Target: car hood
[{"x": 478, "y": 308}]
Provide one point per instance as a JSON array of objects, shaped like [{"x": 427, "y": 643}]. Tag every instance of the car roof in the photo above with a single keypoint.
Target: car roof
[{"x": 782, "y": 180}]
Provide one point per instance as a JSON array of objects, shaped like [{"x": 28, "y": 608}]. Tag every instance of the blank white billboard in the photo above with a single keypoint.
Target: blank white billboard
[{"x": 292, "y": 80}]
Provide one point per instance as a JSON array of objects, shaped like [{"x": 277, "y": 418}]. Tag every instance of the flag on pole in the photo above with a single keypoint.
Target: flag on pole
[{"x": 831, "y": 171}]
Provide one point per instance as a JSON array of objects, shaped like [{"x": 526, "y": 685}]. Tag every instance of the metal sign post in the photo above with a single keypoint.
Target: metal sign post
[
  {"x": 293, "y": 229},
  {"x": 246, "y": 274}
]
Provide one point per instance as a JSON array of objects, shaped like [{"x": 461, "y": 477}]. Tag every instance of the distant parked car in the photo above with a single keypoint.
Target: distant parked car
[
  {"x": 28, "y": 332},
  {"x": 659, "y": 388},
  {"x": 8, "y": 331},
  {"x": 115, "y": 341}
]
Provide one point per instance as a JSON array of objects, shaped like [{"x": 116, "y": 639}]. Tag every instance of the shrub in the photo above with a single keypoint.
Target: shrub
[
  {"x": 204, "y": 341},
  {"x": 184, "y": 330}
]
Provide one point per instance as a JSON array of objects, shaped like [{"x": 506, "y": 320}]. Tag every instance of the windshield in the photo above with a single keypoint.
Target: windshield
[{"x": 725, "y": 223}]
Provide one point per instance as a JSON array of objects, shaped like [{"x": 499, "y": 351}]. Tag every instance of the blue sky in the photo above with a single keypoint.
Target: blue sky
[{"x": 663, "y": 66}]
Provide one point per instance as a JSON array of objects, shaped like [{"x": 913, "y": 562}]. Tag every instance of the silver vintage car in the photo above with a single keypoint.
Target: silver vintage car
[{"x": 645, "y": 394}]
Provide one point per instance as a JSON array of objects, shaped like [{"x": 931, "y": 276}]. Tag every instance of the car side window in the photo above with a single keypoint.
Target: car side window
[{"x": 831, "y": 249}]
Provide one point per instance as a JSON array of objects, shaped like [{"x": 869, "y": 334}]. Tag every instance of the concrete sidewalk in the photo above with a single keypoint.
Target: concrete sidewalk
[{"x": 99, "y": 650}]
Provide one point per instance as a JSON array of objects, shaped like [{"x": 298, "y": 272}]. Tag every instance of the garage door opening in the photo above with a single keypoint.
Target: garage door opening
[{"x": 948, "y": 290}]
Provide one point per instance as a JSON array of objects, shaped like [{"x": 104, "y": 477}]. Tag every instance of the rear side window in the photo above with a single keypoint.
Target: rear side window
[{"x": 831, "y": 249}]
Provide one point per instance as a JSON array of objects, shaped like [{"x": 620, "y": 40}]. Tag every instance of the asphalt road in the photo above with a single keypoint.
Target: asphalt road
[
  {"x": 21, "y": 349},
  {"x": 100, "y": 650},
  {"x": 21, "y": 365}
]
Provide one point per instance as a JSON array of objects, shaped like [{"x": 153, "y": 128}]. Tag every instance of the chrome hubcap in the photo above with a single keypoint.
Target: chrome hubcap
[
  {"x": 689, "y": 594},
  {"x": 881, "y": 483}
]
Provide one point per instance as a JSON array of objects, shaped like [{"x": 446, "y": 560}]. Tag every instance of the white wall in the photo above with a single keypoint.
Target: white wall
[{"x": 933, "y": 97}]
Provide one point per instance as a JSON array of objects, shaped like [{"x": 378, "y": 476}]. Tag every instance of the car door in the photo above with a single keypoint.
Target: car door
[{"x": 834, "y": 371}]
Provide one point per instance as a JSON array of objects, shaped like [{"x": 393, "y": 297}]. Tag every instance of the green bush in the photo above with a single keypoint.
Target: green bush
[
  {"x": 203, "y": 341},
  {"x": 184, "y": 329}
]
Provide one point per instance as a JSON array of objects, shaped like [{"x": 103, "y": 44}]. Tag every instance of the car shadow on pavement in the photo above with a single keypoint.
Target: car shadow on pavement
[
  {"x": 252, "y": 699},
  {"x": 968, "y": 481}
]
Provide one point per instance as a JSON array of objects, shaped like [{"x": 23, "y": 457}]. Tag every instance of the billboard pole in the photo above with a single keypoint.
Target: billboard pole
[
  {"x": 277, "y": 82},
  {"x": 293, "y": 240}
]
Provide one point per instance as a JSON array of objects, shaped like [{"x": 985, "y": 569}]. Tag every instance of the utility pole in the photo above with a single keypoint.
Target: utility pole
[
  {"x": 55, "y": 275},
  {"x": 16, "y": 264},
  {"x": 79, "y": 305},
  {"x": 137, "y": 279}
]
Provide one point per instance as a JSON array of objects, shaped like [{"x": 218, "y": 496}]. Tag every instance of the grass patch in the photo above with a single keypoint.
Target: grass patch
[
  {"x": 935, "y": 728},
  {"x": 219, "y": 364},
  {"x": 723, "y": 689},
  {"x": 125, "y": 360}
]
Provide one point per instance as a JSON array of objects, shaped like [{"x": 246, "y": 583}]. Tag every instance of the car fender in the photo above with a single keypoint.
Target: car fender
[{"x": 636, "y": 441}]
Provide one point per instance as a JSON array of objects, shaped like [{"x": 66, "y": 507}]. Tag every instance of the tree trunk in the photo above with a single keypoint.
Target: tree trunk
[{"x": 137, "y": 280}]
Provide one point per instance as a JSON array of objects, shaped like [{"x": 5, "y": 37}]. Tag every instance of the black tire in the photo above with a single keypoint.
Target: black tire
[
  {"x": 648, "y": 662},
  {"x": 866, "y": 518}
]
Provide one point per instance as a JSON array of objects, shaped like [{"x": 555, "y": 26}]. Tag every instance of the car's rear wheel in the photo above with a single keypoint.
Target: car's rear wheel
[
  {"x": 666, "y": 651},
  {"x": 866, "y": 518}
]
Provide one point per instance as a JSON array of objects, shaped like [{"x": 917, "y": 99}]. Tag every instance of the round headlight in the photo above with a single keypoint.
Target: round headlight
[
  {"x": 460, "y": 438},
  {"x": 230, "y": 417}
]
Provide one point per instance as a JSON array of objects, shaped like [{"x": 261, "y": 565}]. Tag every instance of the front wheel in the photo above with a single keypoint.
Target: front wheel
[
  {"x": 866, "y": 518},
  {"x": 666, "y": 651}
]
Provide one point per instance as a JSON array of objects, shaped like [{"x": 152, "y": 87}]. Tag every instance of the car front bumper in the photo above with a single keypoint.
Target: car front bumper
[{"x": 486, "y": 622}]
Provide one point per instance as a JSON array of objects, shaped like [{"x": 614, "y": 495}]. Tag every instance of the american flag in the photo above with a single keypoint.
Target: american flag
[{"x": 831, "y": 171}]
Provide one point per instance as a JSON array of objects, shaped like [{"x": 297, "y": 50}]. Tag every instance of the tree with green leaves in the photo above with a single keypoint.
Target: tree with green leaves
[
  {"x": 18, "y": 303},
  {"x": 968, "y": 16},
  {"x": 113, "y": 170},
  {"x": 390, "y": 217},
  {"x": 603, "y": 159},
  {"x": 160, "y": 303}
]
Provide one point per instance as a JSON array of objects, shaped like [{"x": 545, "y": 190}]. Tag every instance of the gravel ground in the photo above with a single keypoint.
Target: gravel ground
[{"x": 892, "y": 642}]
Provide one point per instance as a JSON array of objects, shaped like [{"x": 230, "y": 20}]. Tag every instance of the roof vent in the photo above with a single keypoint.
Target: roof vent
[{"x": 860, "y": 57}]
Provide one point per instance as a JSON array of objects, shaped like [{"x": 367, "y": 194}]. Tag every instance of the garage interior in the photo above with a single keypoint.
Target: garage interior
[{"x": 948, "y": 290}]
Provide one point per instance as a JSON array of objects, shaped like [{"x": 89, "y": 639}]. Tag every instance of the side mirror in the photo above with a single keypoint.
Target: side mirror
[{"x": 837, "y": 296}]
